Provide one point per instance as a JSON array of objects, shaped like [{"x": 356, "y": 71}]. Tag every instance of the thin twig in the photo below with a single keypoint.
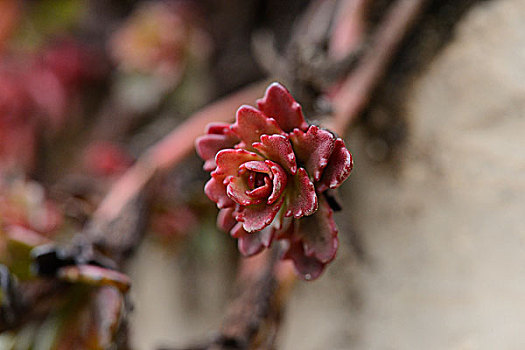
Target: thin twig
[
  {"x": 349, "y": 28},
  {"x": 357, "y": 88}
]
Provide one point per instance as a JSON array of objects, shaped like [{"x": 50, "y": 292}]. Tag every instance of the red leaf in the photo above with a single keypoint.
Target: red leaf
[
  {"x": 251, "y": 124},
  {"x": 256, "y": 217},
  {"x": 280, "y": 180},
  {"x": 238, "y": 190},
  {"x": 319, "y": 233},
  {"x": 252, "y": 243},
  {"x": 261, "y": 192},
  {"x": 313, "y": 149},
  {"x": 257, "y": 166},
  {"x": 339, "y": 167},
  {"x": 277, "y": 103},
  {"x": 225, "y": 219},
  {"x": 207, "y": 146},
  {"x": 302, "y": 200},
  {"x": 229, "y": 161},
  {"x": 218, "y": 128},
  {"x": 216, "y": 191},
  {"x": 278, "y": 149},
  {"x": 308, "y": 268}
]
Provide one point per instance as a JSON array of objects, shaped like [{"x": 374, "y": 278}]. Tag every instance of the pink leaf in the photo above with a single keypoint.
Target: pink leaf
[
  {"x": 238, "y": 190},
  {"x": 229, "y": 160},
  {"x": 257, "y": 166},
  {"x": 319, "y": 233},
  {"x": 280, "y": 180},
  {"x": 219, "y": 137},
  {"x": 313, "y": 149},
  {"x": 302, "y": 200},
  {"x": 308, "y": 268},
  {"x": 261, "y": 192},
  {"x": 277, "y": 103},
  {"x": 251, "y": 124},
  {"x": 252, "y": 243},
  {"x": 216, "y": 191},
  {"x": 256, "y": 217},
  {"x": 218, "y": 128},
  {"x": 257, "y": 190},
  {"x": 339, "y": 167},
  {"x": 278, "y": 149},
  {"x": 225, "y": 219}
]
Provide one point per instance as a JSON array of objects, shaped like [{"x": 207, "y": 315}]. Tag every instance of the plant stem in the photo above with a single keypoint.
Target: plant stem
[{"x": 357, "y": 88}]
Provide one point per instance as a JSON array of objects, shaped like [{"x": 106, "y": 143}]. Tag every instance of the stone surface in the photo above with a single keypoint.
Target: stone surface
[{"x": 445, "y": 233}]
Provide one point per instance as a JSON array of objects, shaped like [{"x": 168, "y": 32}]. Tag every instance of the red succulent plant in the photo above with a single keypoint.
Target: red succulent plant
[{"x": 268, "y": 170}]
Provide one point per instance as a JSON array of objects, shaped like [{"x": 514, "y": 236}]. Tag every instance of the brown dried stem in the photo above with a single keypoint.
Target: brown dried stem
[{"x": 253, "y": 317}]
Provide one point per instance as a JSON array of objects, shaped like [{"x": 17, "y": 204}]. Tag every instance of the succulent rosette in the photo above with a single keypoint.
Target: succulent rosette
[{"x": 268, "y": 173}]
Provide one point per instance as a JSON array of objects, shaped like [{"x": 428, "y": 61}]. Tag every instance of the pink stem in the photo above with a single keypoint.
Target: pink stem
[
  {"x": 355, "y": 91},
  {"x": 349, "y": 29},
  {"x": 169, "y": 151}
]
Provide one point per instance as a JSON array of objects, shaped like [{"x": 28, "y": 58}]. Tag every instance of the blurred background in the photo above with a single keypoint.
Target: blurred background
[{"x": 432, "y": 231}]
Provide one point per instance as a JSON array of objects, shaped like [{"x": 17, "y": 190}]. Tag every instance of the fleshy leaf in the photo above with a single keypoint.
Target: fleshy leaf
[
  {"x": 319, "y": 233},
  {"x": 252, "y": 243},
  {"x": 278, "y": 149},
  {"x": 302, "y": 200},
  {"x": 280, "y": 180},
  {"x": 270, "y": 169},
  {"x": 277, "y": 103},
  {"x": 238, "y": 190},
  {"x": 308, "y": 268},
  {"x": 225, "y": 219},
  {"x": 229, "y": 160},
  {"x": 217, "y": 128},
  {"x": 313, "y": 149},
  {"x": 207, "y": 146},
  {"x": 261, "y": 192},
  {"x": 256, "y": 217},
  {"x": 257, "y": 191},
  {"x": 260, "y": 167},
  {"x": 251, "y": 124},
  {"x": 216, "y": 191},
  {"x": 339, "y": 167}
]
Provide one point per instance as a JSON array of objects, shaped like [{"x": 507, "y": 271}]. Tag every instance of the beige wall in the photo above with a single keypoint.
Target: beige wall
[{"x": 444, "y": 233}]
